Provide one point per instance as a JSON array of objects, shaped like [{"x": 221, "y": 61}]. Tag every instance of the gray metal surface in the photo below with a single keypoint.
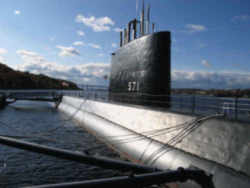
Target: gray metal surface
[
  {"x": 218, "y": 140},
  {"x": 106, "y": 130}
]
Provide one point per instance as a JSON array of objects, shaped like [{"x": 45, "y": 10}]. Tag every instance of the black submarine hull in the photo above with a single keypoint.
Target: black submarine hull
[{"x": 141, "y": 71}]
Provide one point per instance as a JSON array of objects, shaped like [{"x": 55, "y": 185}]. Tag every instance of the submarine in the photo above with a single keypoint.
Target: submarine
[{"x": 136, "y": 121}]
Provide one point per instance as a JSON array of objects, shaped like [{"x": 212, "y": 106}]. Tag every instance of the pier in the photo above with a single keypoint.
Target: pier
[{"x": 11, "y": 96}]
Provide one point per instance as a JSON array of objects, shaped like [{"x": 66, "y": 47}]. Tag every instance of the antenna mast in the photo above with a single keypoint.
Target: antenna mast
[
  {"x": 148, "y": 19},
  {"x": 142, "y": 19},
  {"x": 137, "y": 7}
]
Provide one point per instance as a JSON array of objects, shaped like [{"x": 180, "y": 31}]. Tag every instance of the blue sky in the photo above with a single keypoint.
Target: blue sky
[{"x": 74, "y": 39}]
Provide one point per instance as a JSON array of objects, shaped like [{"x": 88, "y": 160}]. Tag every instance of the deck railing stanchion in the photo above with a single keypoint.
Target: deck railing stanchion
[
  {"x": 236, "y": 108},
  {"x": 193, "y": 104}
]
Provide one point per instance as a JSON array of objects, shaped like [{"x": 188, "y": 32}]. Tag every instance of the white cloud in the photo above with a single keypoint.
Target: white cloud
[
  {"x": 192, "y": 28},
  {"x": 93, "y": 73},
  {"x": 90, "y": 73},
  {"x": 17, "y": 12},
  {"x": 3, "y": 51},
  {"x": 114, "y": 45},
  {"x": 97, "y": 24},
  {"x": 117, "y": 29},
  {"x": 241, "y": 18},
  {"x": 217, "y": 80},
  {"x": 52, "y": 39},
  {"x": 2, "y": 59},
  {"x": 101, "y": 54},
  {"x": 68, "y": 51},
  {"x": 205, "y": 63},
  {"x": 95, "y": 46},
  {"x": 78, "y": 43},
  {"x": 87, "y": 73},
  {"x": 80, "y": 33},
  {"x": 29, "y": 56}
]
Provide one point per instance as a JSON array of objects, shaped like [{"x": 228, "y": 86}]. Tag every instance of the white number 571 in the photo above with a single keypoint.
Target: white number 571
[{"x": 133, "y": 86}]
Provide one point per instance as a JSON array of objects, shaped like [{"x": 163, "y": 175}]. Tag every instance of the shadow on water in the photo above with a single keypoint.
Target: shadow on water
[{"x": 38, "y": 120}]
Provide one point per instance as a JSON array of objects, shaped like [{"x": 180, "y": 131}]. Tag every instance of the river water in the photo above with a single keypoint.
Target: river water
[{"x": 42, "y": 123}]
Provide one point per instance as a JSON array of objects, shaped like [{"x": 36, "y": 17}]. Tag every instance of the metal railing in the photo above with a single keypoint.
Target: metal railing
[{"x": 233, "y": 108}]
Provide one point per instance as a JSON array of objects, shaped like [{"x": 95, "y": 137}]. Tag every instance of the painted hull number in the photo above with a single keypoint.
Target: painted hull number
[{"x": 133, "y": 86}]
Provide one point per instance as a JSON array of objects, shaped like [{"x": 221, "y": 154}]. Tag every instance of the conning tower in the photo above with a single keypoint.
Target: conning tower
[{"x": 141, "y": 67}]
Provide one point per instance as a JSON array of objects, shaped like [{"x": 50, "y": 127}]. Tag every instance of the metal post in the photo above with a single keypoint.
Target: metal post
[
  {"x": 121, "y": 39},
  {"x": 134, "y": 29},
  {"x": 236, "y": 108},
  {"x": 129, "y": 32},
  {"x": 153, "y": 27},
  {"x": 193, "y": 106},
  {"x": 135, "y": 181},
  {"x": 125, "y": 39},
  {"x": 180, "y": 102},
  {"x": 148, "y": 20},
  {"x": 75, "y": 156},
  {"x": 142, "y": 20}
]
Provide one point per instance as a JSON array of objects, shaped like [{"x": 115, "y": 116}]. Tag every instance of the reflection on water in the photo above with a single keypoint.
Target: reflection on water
[{"x": 37, "y": 121}]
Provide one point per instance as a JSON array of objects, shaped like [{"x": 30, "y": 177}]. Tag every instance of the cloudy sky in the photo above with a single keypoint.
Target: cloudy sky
[{"x": 74, "y": 39}]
